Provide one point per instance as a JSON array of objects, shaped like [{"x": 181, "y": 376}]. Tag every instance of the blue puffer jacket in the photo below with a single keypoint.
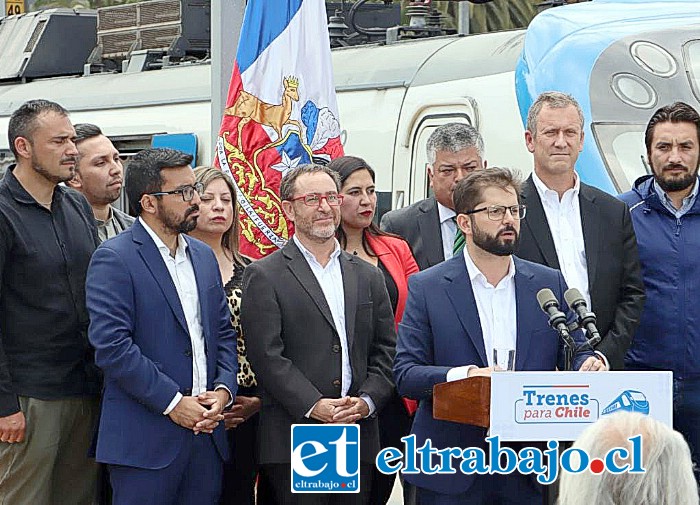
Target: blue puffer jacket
[{"x": 668, "y": 337}]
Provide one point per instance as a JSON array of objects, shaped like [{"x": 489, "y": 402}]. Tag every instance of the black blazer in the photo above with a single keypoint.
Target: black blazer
[
  {"x": 294, "y": 347},
  {"x": 419, "y": 225},
  {"x": 614, "y": 276}
]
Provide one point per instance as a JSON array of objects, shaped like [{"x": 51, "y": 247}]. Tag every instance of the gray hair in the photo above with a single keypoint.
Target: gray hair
[
  {"x": 453, "y": 137},
  {"x": 555, "y": 100},
  {"x": 287, "y": 186},
  {"x": 668, "y": 479}
]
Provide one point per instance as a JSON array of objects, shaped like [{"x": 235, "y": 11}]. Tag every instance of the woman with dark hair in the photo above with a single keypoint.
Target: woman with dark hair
[
  {"x": 359, "y": 235},
  {"x": 218, "y": 226}
]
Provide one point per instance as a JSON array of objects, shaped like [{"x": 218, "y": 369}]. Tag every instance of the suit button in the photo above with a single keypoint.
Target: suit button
[
  {"x": 336, "y": 383},
  {"x": 188, "y": 353},
  {"x": 187, "y": 392},
  {"x": 336, "y": 348}
]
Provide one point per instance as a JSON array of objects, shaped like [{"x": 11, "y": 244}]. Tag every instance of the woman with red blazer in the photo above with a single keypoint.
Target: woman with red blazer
[{"x": 359, "y": 235}]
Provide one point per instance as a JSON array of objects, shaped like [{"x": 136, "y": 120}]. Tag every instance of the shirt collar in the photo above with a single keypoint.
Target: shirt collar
[
  {"x": 445, "y": 213},
  {"x": 310, "y": 256},
  {"x": 180, "y": 252},
  {"x": 546, "y": 193},
  {"x": 22, "y": 195},
  {"x": 109, "y": 218},
  {"x": 475, "y": 273},
  {"x": 687, "y": 201}
]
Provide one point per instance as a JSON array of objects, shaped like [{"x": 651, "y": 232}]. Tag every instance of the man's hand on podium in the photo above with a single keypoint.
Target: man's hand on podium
[
  {"x": 593, "y": 364},
  {"x": 483, "y": 372}
]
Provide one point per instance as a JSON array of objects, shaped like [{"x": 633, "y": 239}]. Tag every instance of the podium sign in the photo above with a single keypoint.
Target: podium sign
[{"x": 540, "y": 406}]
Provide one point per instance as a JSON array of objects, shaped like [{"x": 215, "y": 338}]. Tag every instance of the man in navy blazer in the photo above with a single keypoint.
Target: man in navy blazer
[
  {"x": 162, "y": 334},
  {"x": 458, "y": 312}
]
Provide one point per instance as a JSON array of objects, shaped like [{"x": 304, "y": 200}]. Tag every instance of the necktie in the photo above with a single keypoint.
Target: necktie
[{"x": 459, "y": 240}]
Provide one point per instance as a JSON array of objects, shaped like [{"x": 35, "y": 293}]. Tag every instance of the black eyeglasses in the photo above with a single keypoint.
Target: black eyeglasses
[
  {"x": 498, "y": 212},
  {"x": 187, "y": 192}
]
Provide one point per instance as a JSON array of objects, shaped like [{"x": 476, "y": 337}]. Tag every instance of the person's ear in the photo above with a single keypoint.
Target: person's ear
[
  {"x": 148, "y": 204},
  {"x": 288, "y": 208}
]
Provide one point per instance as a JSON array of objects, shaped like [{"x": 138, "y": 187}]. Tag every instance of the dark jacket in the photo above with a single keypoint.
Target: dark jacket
[{"x": 668, "y": 337}]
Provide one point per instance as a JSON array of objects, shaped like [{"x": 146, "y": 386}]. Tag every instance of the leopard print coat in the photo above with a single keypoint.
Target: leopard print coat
[{"x": 233, "y": 289}]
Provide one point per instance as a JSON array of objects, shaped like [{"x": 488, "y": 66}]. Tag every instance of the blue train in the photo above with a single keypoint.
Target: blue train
[
  {"x": 629, "y": 401},
  {"x": 621, "y": 59}
]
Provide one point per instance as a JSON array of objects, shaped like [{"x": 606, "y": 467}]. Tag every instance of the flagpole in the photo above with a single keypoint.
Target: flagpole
[{"x": 226, "y": 22}]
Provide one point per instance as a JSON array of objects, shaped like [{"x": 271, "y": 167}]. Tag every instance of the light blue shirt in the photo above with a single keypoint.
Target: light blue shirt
[{"x": 688, "y": 201}]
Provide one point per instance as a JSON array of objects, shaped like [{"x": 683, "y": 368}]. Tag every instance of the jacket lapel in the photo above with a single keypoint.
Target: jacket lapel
[
  {"x": 302, "y": 271},
  {"x": 536, "y": 223},
  {"x": 590, "y": 222},
  {"x": 198, "y": 262},
  {"x": 525, "y": 306},
  {"x": 347, "y": 265},
  {"x": 154, "y": 262},
  {"x": 459, "y": 290},
  {"x": 429, "y": 226}
]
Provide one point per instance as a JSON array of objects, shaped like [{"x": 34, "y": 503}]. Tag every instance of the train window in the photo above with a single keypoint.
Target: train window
[
  {"x": 622, "y": 147},
  {"x": 691, "y": 55}
]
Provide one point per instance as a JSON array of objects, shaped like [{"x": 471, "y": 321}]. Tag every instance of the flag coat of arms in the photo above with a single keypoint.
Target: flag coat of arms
[{"x": 281, "y": 112}]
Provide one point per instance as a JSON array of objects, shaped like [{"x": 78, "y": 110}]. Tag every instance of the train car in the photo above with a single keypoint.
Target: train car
[{"x": 621, "y": 59}]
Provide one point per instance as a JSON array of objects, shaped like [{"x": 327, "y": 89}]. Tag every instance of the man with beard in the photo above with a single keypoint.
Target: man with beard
[
  {"x": 98, "y": 176},
  {"x": 578, "y": 229},
  {"x": 162, "y": 334},
  {"x": 458, "y": 313},
  {"x": 320, "y": 333},
  {"x": 666, "y": 215},
  {"x": 49, "y": 384}
]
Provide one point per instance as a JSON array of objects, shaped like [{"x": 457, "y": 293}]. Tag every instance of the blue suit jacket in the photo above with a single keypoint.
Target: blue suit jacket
[
  {"x": 142, "y": 345},
  {"x": 441, "y": 330}
]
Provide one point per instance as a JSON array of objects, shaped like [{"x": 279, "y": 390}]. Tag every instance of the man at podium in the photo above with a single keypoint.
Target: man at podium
[{"x": 458, "y": 313}]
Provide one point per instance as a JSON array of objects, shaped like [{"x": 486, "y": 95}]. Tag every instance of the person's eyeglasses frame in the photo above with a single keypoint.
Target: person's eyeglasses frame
[
  {"x": 320, "y": 197},
  {"x": 197, "y": 186},
  {"x": 517, "y": 211}
]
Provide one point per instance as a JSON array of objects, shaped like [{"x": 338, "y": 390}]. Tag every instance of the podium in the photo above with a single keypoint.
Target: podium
[{"x": 542, "y": 406}]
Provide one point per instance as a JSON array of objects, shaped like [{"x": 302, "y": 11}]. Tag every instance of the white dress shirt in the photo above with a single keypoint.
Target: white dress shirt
[
  {"x": 182, "y": 274},
  {"x": 448, "y": 229},
  {"x": 497, "y": 313},
  {"x": 564, "y": 218},
  {"x": 330, "y": 278}
]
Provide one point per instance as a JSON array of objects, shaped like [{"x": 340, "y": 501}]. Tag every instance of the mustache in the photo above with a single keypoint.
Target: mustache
[
  {"x": 194, "y": 208},
  {"x": 508, "y": 228},
  {"x": 73, "y": 159},
  {"x": 675, "y": 166}
]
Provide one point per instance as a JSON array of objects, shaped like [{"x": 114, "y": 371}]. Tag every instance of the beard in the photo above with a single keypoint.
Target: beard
[
  {"x": 54, "y": 178},
  {"x": 316, "y": 232},
  {"x": 492, "y": 243},
  {"x": 174, "y": 223},
  {"x": 678, "y": 183}
]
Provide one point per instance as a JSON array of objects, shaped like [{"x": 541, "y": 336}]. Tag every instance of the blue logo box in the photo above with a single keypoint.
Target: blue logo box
[{"x": 325, "y": 458}]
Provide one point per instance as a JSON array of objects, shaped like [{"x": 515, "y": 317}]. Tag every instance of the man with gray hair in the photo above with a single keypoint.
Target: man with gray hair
[
  {"x": 578, "y": 229},
  {"x": 668, "y": 477},
  {"x": 454, "y": 150},
  {"x": 320, "y": 335}
]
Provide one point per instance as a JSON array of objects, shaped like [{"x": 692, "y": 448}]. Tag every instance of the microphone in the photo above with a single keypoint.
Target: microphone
[
  {"x": 586, "y": 318},
  {"x": 557, "y": 319}
]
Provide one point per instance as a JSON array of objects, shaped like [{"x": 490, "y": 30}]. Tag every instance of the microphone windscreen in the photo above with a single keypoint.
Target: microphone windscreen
[
  {"x": 574, "y": 298},
  {"x": 545, "y": 297}
]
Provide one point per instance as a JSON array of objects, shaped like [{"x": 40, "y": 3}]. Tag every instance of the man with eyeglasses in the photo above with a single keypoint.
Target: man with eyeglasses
[
  {"x": 454, "y": 150},
  {"x": 320, "y": 335},
  {"x": 458, "y": 313},
  {"x": 578, "y": 229},
  {"x": 162, "y": 334}
]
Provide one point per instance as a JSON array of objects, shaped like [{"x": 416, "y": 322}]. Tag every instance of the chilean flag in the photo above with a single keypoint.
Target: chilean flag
[{"x": 281, "y": 112}]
